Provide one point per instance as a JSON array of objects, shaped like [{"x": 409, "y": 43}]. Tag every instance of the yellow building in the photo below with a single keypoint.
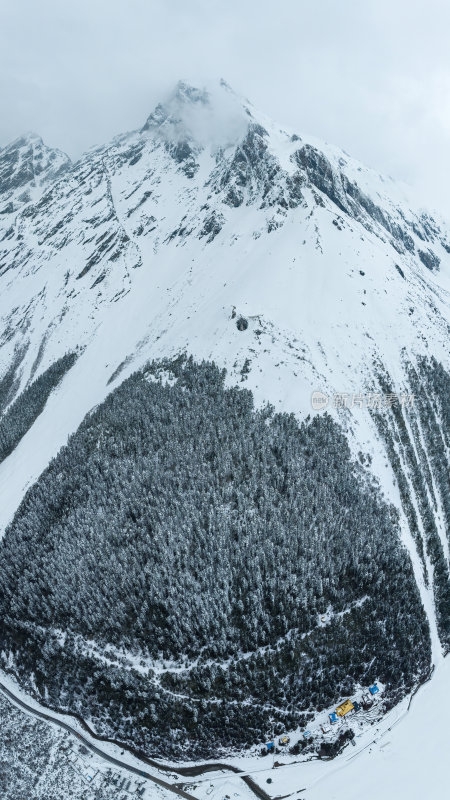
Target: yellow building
[{"x": 344, "y": 708}]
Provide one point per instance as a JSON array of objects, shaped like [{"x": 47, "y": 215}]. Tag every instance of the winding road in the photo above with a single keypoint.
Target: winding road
[
  {"x": 94, "y": 749},
  {"x": 192, "y": 771},
  {"x": 184, "y": 771}
]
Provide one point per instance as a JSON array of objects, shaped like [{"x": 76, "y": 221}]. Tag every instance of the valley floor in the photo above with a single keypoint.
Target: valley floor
[{"x": 408, "y": 748}]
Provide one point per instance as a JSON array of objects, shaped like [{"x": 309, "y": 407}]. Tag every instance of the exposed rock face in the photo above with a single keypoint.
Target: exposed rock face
[
  {"x": 242, "y": 324},
  {"x": 25, "y": 164},
  {"x": 430, "y": 259}
]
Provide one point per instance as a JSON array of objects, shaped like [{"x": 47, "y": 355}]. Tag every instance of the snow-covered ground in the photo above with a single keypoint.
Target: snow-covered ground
[
  {"x": 107, "y": 747},
  {"x": 41, "y": 762},
  {"x": 407, "y": 760},
  {"x": 405, "y": 752}
]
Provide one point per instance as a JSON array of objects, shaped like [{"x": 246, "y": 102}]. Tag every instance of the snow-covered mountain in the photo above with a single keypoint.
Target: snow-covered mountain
[
  {"x": 209, "y": 208},
  {"x": 213, "y": 231}
]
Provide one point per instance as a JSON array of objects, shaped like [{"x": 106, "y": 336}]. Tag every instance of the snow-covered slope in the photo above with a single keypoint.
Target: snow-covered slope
[{"x": 213, "y": 231}]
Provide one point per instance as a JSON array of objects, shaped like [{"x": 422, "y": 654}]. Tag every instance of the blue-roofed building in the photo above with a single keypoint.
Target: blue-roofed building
[
  {"x": 373, "y": 689},
  {"x": 333, "y": 717}
]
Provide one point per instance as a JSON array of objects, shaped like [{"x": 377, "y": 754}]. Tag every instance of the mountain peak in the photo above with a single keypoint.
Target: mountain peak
[
  {"x": 214, "y": 116},
  {"x": 27, "y": 161},
  {"x": 185, "y": 93},
  {"x": 169, "y": 116},
  {"x": 25, "y": 140}
]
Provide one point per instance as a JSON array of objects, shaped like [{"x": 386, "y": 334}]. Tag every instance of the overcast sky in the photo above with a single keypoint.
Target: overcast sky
[{"x": 369, "y": 75}]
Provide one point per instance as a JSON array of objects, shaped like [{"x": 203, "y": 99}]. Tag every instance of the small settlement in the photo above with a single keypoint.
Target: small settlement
[
  {"x": 364, "y": 703},
  {"x": 344, "y": 708}
]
